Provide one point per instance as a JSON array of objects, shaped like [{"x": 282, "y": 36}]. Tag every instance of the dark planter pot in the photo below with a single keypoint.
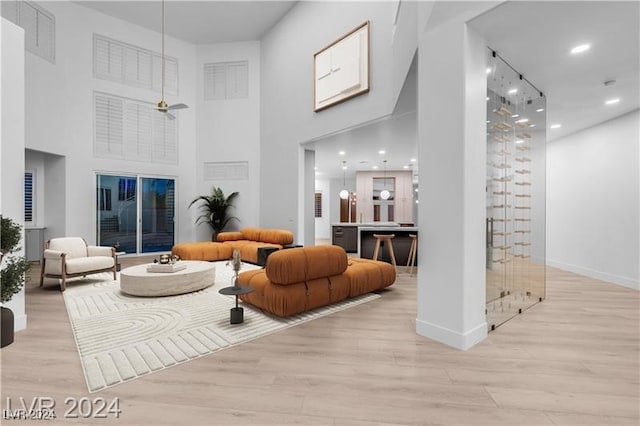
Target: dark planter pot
[{"x": 6, "y": 323}]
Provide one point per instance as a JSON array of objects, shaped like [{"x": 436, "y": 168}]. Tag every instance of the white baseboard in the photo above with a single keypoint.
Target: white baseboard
[
  {"x": 462, "y": 341},
  {"x": 603, "y": 276},
  {"x": 19, "y": 322}
]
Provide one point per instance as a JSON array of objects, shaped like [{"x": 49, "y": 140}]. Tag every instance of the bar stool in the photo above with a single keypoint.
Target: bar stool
[
  {"x": 411, "y": 261},
  {"x": 386, "y": 238}
]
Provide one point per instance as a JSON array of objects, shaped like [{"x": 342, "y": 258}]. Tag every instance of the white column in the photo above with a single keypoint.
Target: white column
[
  {"x": 452, "y": 157},
  {"x": 12, "y": 136}
]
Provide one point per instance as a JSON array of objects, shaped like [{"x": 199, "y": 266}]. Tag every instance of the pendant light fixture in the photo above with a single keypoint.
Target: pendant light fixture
[
  {"x": 384, "y": 194},
  {"x": 344, "y": 194}
]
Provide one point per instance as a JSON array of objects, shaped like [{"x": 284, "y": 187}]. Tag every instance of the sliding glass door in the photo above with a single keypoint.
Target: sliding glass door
[
  {"x": 157, "y": 199},
  {"x": 135, "y": 214}
]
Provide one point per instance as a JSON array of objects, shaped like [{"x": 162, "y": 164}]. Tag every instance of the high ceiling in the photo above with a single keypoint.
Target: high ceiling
[
  {"x": 536, "y": 38},
  {"x": 533, "y": 37},
  {"x": 199, "y": 22}
]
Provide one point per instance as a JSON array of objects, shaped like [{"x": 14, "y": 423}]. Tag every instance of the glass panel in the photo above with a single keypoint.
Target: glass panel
[
  {"x": 158, "y": 207},
  {"x": 116, "y": 225},
  {"x": 516, "y": 155}
]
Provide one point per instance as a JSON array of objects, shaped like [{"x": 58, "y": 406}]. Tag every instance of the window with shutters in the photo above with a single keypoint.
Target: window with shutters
[
  {"x": 29, "y": 191},
  {"x": 133, "y": 130},
  {"x": 132, "y": 65},
  {"x": 226, "y": 80},
  {"x": 38, "y": 25}
]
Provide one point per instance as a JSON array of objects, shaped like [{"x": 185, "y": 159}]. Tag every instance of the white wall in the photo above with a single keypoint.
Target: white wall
[
  {"x": 592, "y": 201},
  {"x": 59, "y": 105},
  {"x": 12, "y": 122},
  {"x": 287, "y": 116},
  {"x": 229, "y": 130}
]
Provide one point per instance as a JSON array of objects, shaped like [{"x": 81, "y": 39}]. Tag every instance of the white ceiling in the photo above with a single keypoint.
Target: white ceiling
[
  {"x": 534, "y": 37},
  {"x": 199, "y": 22}
]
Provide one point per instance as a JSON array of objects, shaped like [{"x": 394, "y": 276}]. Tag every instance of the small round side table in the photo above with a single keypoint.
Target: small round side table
[{"x": 237, "y": 313}]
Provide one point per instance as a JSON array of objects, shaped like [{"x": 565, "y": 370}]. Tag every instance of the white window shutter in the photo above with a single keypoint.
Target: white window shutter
[
  {"x": 9, "y": 10},
  {"x": 132, "y": 65},
  {"x": 109, "y": 126},
  {"x": 226, "y": 80},
  {"x": 139, "y": 130}
]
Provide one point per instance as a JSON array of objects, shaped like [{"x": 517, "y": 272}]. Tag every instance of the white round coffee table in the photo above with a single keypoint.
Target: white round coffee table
[{"x": 136, "y": 281}]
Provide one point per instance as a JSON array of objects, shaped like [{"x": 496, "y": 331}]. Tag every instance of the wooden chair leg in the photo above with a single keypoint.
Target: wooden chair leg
[
  {"x": 42, "y": 272},
  {"x": 410, "y": 258},
  {"x": 392, "y": 254},
  {"x": 376, "y": 250}
]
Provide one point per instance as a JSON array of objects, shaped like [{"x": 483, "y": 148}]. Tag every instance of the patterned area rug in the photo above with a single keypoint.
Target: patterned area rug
[{"x": 122, "y": 337}]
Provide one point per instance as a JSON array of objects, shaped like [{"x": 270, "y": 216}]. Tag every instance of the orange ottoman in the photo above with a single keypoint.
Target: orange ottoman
[{"x": 366, "y": 275}]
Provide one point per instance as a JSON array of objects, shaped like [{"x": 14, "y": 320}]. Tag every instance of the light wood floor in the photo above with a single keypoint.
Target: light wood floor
[{"x": 573, "y": 359}]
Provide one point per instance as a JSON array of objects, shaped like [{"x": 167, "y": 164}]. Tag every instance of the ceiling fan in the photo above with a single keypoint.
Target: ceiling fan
[{"x": 162, "y": 106}]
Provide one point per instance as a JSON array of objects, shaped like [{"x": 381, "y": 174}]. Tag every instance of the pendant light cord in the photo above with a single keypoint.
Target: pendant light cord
[{"x": 163, "y": 25}]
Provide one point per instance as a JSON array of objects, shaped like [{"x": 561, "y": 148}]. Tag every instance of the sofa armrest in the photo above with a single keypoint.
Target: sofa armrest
[
  {"x": 101, "y": 251},
  {"x": 53, "y": 254}
]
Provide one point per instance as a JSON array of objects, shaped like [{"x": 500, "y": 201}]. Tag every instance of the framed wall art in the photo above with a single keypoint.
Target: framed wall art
[{"x": 341, "y": 70}]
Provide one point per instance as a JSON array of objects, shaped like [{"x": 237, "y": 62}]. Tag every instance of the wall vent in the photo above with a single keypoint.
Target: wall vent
[{"x": 226, "y": 170}]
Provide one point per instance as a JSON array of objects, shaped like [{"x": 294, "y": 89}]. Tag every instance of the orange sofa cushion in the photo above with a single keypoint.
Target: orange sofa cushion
[
  {"x": 208, "y": 251},
  {"x": 305, "y": 263},
  {"x": 366, "y": 275},
  {"x": 263, "y": 235}
]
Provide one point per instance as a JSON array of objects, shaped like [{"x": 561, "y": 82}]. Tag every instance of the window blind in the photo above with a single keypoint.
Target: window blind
[
  {"x": 38, "y": 25},
  {"x": 226, "y": 80},
  {"x": 133, "y": 65},
  {"x": 133, "y": 130}
]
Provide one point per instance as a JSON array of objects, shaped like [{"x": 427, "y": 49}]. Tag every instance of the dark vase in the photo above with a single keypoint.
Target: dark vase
[{"x": 6, "y": 330}]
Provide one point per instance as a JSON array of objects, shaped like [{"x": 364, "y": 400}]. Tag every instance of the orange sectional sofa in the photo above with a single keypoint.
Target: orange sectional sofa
[
  {"x": 300, "y": 279},
  {"x": 247, "y": 241}
]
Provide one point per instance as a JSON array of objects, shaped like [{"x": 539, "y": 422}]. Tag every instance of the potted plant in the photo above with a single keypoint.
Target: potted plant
[
  {"x": 13, "y": 275},
  {"x": 215, "y": 209}
]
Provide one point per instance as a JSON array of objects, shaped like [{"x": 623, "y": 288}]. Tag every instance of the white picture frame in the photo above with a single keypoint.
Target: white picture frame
[{"x": 341, "y": 69}]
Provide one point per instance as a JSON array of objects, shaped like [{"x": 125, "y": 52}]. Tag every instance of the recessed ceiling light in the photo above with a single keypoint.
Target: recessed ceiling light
[
  {"x": 417, "y": 201},
  {"x": 405, "y": 167},
  {"x": 488, "y": 70},
  {"x": 382, "y": 152},
  {"x": 515, "y": 115},
  {"x": 540, "y": 110},
  {"x": 487, "y": 98},
  {"x": 344, "y": 167},
  {"x": 513, "y": 91},
  {"x": 612, "y": 101},
  {"x": 522, "y": 120},
  {"x": 413, "y": 160},
  {"x": 375, "y": 167},
  {"x": 342, "y": 153},
  {"x": 555, "y": 126},
  {"x": 581, "y": 48},
  {"x": 416, "y": 190}
]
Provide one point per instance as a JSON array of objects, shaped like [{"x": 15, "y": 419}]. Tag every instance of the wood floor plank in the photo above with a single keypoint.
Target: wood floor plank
[{"x": 572, "y": 359}]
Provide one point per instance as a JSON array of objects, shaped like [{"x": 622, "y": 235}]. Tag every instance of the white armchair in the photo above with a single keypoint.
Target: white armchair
[{"x": 71, "y": 257}]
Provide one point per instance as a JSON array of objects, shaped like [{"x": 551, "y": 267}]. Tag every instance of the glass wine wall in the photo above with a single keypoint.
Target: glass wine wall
[{"x": 516, "y": 140}]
